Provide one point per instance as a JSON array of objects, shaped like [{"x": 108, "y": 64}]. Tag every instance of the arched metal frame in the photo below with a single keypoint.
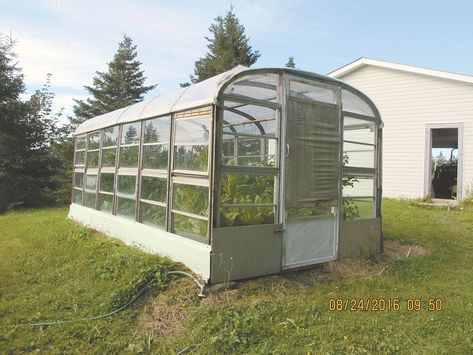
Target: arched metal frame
[{"x": 214, "y": 108}]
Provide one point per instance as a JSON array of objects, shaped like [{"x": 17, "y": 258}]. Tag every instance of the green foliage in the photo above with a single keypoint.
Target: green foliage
[
  {"x": 350, "y": 208},
  {"x": 122, "y": 85},
  {"x": 290, "y": 62},
  {"x": 153, "y": 214},
  {"x": 194, "y": 157},
  {"x": 190, "y": 226},
  {"x": 34, "y": 153},
  {"x": 190, "y": 199},
  {"x": 228, "y": 48},
  {"x": 154, "y": 188},
  {"x": 246, "y": 189}
]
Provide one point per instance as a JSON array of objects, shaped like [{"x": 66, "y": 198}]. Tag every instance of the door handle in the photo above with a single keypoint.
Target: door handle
[
  {"x": 287, "y": 150},
  {"x": 278, "y": 230}
]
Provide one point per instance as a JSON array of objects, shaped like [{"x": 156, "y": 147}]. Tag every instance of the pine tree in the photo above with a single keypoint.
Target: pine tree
[
  {"x": 290, "y": 62},
  {"x": 121, "y": 86},
  {"x": 228, "y": 48},
  {"x": 27, "y": 130}
]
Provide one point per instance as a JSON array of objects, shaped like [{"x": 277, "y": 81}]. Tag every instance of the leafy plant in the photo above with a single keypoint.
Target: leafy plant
[
  {"x": 350, "y": 208},
  {"x": 246, "y": 189}
]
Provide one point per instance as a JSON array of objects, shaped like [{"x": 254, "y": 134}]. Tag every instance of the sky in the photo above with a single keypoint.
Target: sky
[{"x": 74, "y": 39}]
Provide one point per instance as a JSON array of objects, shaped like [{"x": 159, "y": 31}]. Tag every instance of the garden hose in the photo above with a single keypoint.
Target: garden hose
[{"x": 200, "y": 281}]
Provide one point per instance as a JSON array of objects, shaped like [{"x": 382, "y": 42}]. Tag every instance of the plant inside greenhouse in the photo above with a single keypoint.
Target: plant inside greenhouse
[{"x": 248, "y": 173}]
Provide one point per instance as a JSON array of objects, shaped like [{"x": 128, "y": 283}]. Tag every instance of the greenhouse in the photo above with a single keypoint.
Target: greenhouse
[{"x": 249, "y": 173}]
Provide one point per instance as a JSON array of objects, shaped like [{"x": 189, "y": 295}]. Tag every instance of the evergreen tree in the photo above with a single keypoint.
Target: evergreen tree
[
  {"x": 121, "y": 86},
  {"x": 228, "y": 48},
  {"x": 27, "y": 130},
  {"x": 290, "y": 62}
]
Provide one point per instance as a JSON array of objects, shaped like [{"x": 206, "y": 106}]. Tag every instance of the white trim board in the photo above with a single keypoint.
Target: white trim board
[
  {"x": 194, "y": 254},
  {"x": 340, "y": 72}
]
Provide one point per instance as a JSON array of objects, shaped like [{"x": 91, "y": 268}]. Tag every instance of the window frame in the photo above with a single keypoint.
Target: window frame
[{"x": 246, "y": 170}]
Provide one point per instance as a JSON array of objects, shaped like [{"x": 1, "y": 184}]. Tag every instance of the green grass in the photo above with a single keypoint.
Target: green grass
[{"x": 54, "y": 269}]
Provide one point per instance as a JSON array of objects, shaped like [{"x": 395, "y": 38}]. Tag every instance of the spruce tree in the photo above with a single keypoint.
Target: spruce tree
[
  {"x": 228, "y": 48},
  {"x": 27, "y": 130},
  {"x": 290, "y": 62},
  {"x": 122, "y": 85}
]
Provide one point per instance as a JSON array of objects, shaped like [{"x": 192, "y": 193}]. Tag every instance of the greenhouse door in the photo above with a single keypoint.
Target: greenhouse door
[{"x": 312, "y": 174}]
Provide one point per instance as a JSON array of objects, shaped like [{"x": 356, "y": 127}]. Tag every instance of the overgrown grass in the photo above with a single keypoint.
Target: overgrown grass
[
  {"x": 53, "y": 269},
  {"x": 290, "y": 313}
]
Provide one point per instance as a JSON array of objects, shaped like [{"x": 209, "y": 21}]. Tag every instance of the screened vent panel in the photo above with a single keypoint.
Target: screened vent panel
[{"x": 313, "y": 146}]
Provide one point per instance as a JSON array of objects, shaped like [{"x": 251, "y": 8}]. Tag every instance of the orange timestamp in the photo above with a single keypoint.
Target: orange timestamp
[{"x": 385, "y": 304}]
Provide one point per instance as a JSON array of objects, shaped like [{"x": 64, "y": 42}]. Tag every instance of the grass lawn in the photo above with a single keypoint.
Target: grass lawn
[{"x": 53, "y": 269}]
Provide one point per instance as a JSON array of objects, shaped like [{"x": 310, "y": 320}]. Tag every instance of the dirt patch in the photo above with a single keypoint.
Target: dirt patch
[
  {"x": 395, "y": 249},
  {"x": 168, "y": 312}
]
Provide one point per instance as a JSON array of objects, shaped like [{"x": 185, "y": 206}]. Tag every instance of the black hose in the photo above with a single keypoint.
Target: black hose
[{"x": 200, "y": 282}]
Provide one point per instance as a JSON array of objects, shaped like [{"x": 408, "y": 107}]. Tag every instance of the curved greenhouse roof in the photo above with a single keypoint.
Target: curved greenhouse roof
[{"x": 206, "y": 93}]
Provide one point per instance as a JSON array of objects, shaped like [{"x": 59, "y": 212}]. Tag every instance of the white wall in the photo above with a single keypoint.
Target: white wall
[{"x": 407, "y": 103}]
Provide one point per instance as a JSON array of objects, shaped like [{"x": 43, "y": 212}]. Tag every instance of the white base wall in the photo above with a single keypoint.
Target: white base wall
[{"x": 193, "y": 254}]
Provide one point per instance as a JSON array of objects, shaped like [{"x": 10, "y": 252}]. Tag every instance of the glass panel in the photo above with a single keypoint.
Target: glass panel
[
  {"x": 157, "y": 130},
  {"x": 91, "y": 182},
  {"x": 358, "y": 208},
  {"x": 151, "y": 214},
  {"x": 106, "y": 182},
  {"x": 126, "y": 185},
  {"x": 191, "y": 199},
  {"x": 191, "y": 157},
  {"x": 357, "y": 185},
  {"x": 110, "y": 136},
  {"x": 358, "y": 130},
  {"x": 155, "y": 157},
  {"x": 244, "y": 216},
  {"x": 94, "y": 140},
  {"x": 322, "y": 208},
  {"x": 228, "y": 149},
  {"x": 93, "y": 159},
  {"x": 105, "y": 203},
  {"x": 80, "y": 143},
  {"x": 78, "y": 196},
  {"x": 126, "y": 207},
  {"x": 249, "y": 119},
  {"x": 108, "y": 157},
  {"x": 310, "y": 92},
  {"x": 129, "y": 157},
  {"x": 90, "y": 199},
  {"x": 80, "y": 158},
  {"x": 256, "y": 152},
  {"x": 192, "y": 131},
  {"x": 79, "y": 180},
  {"x": 353, "y": 103},
  {"x": 153, "y": 188},
  {"x": 247, "y": 189},
  {"x": 188, "y": 226},
  {"x": 259, "y": 86},
  {"x": 131, "y": 133},
  {"x": 358, "y": 155}
]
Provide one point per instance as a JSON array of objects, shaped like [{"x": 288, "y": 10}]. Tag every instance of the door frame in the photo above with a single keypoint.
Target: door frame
[
  {"x": 284, "y": 85},
  {"x": 428, "y": 157}
]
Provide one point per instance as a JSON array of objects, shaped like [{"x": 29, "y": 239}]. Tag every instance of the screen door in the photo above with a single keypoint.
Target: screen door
[{"x": 312, "y": 173}]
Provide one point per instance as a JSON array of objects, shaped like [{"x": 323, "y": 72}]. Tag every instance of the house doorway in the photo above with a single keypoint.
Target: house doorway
[{"x": 444, "y": 163}]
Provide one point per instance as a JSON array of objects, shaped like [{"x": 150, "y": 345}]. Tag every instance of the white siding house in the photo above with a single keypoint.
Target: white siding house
[{"x": 413, "y": 103}]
